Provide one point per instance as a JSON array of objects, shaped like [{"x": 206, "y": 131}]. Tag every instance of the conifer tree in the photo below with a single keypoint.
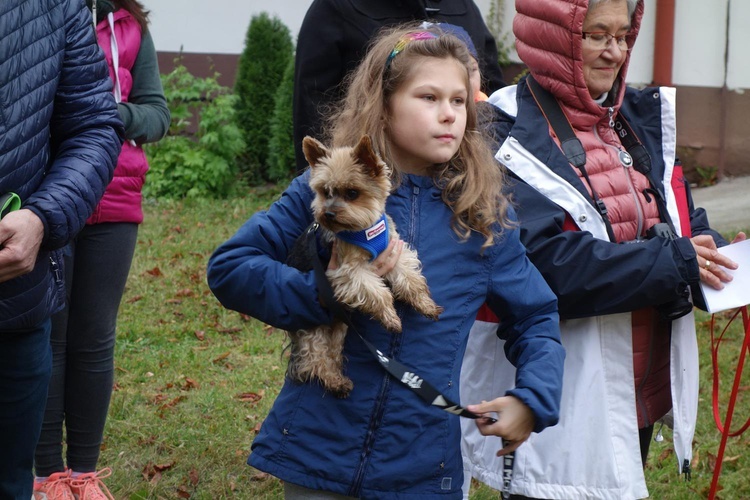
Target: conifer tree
[{"x": 268, "y": 49}]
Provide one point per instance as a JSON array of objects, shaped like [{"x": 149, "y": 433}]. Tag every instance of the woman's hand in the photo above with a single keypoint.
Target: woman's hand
[
  {"x": 385, "y": 262},
  {"x": 711, "y": 261},
  {"x": 515, "y": 421}
]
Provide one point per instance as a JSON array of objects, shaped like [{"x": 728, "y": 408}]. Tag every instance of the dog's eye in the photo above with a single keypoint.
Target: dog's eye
[{"x": 351, "y": 194}]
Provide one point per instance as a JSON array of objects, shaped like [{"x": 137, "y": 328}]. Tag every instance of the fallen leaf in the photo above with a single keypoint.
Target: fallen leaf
[
  {"x": 221, "y": 357},
  {"x": 173, "y": 301},
  {"x": 200, "y": 334},
  {"x": 250, "y": 397},
  {"x": 190, "y": 384},
  {"x": 194, "y": 477},
  {"x": 230, "y": 330},
  {"x": 260, "y": 476},
  {"x": 154, "y": 272},
  {"x": 135, "y": 298},
  {"x": 185, "y": 292},
  {"x": 665, "y": 454}
]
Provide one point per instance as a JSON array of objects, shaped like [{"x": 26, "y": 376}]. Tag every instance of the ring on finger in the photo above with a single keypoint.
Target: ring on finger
[{"x": 707, "y": 265}]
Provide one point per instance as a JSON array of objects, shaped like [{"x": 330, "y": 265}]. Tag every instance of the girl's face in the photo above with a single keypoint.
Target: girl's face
[{"x": 427, "y": 115}]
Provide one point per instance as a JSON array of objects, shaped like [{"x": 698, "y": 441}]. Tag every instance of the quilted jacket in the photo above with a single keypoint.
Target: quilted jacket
[{"x": 60, "y": 135}]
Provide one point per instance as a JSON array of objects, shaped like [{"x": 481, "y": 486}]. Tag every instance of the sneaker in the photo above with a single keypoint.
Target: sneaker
[
  {"x": 89, "y": 486},
  {"x": 55, "y": 487}
]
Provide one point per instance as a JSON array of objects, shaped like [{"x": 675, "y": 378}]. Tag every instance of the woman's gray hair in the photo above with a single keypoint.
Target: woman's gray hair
[{"x": 631, "y": 5}]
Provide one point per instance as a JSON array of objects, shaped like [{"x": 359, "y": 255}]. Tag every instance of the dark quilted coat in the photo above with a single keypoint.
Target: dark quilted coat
[{"x": 60, "y": 136}]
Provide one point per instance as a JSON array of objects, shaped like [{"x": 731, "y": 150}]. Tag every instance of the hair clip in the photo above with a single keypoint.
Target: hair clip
[{"x": 404, "y": 41}]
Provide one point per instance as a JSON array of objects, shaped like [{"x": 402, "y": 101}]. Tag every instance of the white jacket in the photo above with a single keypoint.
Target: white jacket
[{"x": 594, "y": 451}]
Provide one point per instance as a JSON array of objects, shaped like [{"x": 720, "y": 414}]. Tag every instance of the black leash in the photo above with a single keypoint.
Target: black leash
[{"x": 395, "y": 368}]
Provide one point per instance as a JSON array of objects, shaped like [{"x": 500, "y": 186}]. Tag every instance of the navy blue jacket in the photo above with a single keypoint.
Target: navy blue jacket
[
  {"x": 383, "y": 441},
  {"x": 569, "y": 258},
  {"x": 60, "y": 135}
]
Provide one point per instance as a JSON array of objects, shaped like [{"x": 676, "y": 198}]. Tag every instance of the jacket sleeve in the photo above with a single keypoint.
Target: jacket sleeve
[
  {"x": 530, "y": 327},
  {"x": 85, "y": 135},
  {"x": 248, "y": 273},
  {"x": 145, "y": 115},
  {"x": 592, "y": 277},
  {"x": 319, "y": 69}
]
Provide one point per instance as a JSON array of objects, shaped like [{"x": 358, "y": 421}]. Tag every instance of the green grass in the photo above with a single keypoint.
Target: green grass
[{"x": 194, "y": 381}]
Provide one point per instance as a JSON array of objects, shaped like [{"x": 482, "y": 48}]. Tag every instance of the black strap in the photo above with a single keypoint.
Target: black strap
[
  {"x": 569, "y": 143},
  {"x": 642, "y": 163}
]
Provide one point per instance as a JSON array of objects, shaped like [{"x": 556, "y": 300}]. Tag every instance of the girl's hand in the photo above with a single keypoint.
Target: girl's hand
[
  {"x": 387, "y": 260},
  {"x": 515, "y": 421},
  {"x": 711, "y": 261}
]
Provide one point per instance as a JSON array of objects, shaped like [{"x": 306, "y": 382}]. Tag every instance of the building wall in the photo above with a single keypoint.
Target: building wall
[{"x": 710, "y": 69}]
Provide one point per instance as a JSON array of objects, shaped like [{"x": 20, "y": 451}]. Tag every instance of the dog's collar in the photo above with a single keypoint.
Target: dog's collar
[{"x": 374, "y": 239}]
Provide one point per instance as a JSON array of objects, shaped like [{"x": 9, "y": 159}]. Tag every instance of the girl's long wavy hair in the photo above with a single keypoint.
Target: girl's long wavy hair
[{"x": 472, "y": 182}]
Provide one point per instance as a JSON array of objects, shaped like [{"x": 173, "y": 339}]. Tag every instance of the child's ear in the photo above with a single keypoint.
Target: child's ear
[
  {"x": 314, "y": 150},
  {"x": 366, "y": 155}
]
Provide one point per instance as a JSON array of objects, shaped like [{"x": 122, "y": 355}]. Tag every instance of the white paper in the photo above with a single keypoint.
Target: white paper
[{"x": 736, "y": 293}]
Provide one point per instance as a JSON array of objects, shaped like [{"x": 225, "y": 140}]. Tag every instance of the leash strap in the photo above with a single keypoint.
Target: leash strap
[{"x": 8, "y": 203}]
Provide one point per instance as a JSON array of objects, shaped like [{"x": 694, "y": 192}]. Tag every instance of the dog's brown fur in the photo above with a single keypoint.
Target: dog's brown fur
[{"x": 351, "y": 186}]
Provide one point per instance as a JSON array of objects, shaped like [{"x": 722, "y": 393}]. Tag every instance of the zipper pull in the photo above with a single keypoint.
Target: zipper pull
[
  {"x": 686, "y": 469},
  {"x": 55, "y": 270},
  {"x": 611, "y": 119}
]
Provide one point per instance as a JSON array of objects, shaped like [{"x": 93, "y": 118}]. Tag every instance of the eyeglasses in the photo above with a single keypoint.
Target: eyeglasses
[{"x": 599, "y": 40}]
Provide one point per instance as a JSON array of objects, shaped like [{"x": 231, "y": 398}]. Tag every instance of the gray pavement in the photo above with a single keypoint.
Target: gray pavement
[{"x": 727, "y": 203}]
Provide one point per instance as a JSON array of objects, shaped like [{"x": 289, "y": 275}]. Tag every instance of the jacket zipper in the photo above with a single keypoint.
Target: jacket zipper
[
  {"x": 631, "y": 187},
  {"x": 55, "y": 270},
  {"x": 394, "y": 349}
]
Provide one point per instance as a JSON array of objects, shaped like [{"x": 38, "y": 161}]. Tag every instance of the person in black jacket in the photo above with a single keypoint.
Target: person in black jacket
[
  {"x": 60, "y": 135},
  {"x": 334, "y": 37}
]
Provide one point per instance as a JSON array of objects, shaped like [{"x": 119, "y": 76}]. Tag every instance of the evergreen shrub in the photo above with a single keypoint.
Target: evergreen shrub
[
  {"x": 268, "y": 49},
  {"x": 281, "y": 161}
]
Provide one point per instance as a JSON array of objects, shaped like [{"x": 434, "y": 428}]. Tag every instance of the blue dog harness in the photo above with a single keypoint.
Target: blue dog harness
[{"x": 374, "y": 239}]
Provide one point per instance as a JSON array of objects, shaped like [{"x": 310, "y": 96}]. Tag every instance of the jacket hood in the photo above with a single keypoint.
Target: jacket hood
[{"x": 549, "y": 41}]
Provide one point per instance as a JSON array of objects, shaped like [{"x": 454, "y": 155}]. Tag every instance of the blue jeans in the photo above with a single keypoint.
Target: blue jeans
[{"x": 25, "y": 368}]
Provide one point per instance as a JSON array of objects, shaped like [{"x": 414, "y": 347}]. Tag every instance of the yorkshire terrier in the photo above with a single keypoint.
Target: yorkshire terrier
[{"x": 351, "y": 185}]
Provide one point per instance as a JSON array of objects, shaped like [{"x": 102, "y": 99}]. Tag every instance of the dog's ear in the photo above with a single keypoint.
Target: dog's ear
[
  {"x": 366, "y": 155},
  {"x": 314, "y": 150}
]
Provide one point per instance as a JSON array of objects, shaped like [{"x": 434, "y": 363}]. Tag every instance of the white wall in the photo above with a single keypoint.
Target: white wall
[{"x": 219, "y": 26}]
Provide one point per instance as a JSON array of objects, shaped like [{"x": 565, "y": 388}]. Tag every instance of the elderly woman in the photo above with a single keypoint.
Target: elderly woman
[{"x": 607, "y": 217}]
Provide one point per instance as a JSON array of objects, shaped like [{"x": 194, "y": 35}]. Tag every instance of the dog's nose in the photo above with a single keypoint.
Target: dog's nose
[{"x": 330, "y": 215}]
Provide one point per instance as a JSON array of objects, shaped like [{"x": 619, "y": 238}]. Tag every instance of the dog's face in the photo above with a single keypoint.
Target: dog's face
[{"x": 350, "y": 184}]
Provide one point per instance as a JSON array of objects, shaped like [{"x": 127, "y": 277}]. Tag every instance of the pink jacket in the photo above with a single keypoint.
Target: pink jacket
[
  {"x": 122, "y": 199},
  {"x": 543, "y": 42}
]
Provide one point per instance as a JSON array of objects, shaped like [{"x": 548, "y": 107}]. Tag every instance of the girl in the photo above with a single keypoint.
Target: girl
[
  {"x": 411, "y": 95},
  {"x": 97, "y": 265}
]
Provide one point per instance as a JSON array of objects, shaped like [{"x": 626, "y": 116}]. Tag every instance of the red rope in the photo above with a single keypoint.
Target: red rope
[{"x": 726, "y": 426}]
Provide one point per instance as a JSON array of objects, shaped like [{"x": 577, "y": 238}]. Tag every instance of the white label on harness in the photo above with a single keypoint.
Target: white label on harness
[{"x": 375, "y": 230}]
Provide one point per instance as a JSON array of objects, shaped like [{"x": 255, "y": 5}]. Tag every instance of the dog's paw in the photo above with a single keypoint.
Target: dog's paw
[
  {"x": 392, "y": 323},
  {"x": 341, "y": 388},
  {"x": 433, "y": 313}
]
